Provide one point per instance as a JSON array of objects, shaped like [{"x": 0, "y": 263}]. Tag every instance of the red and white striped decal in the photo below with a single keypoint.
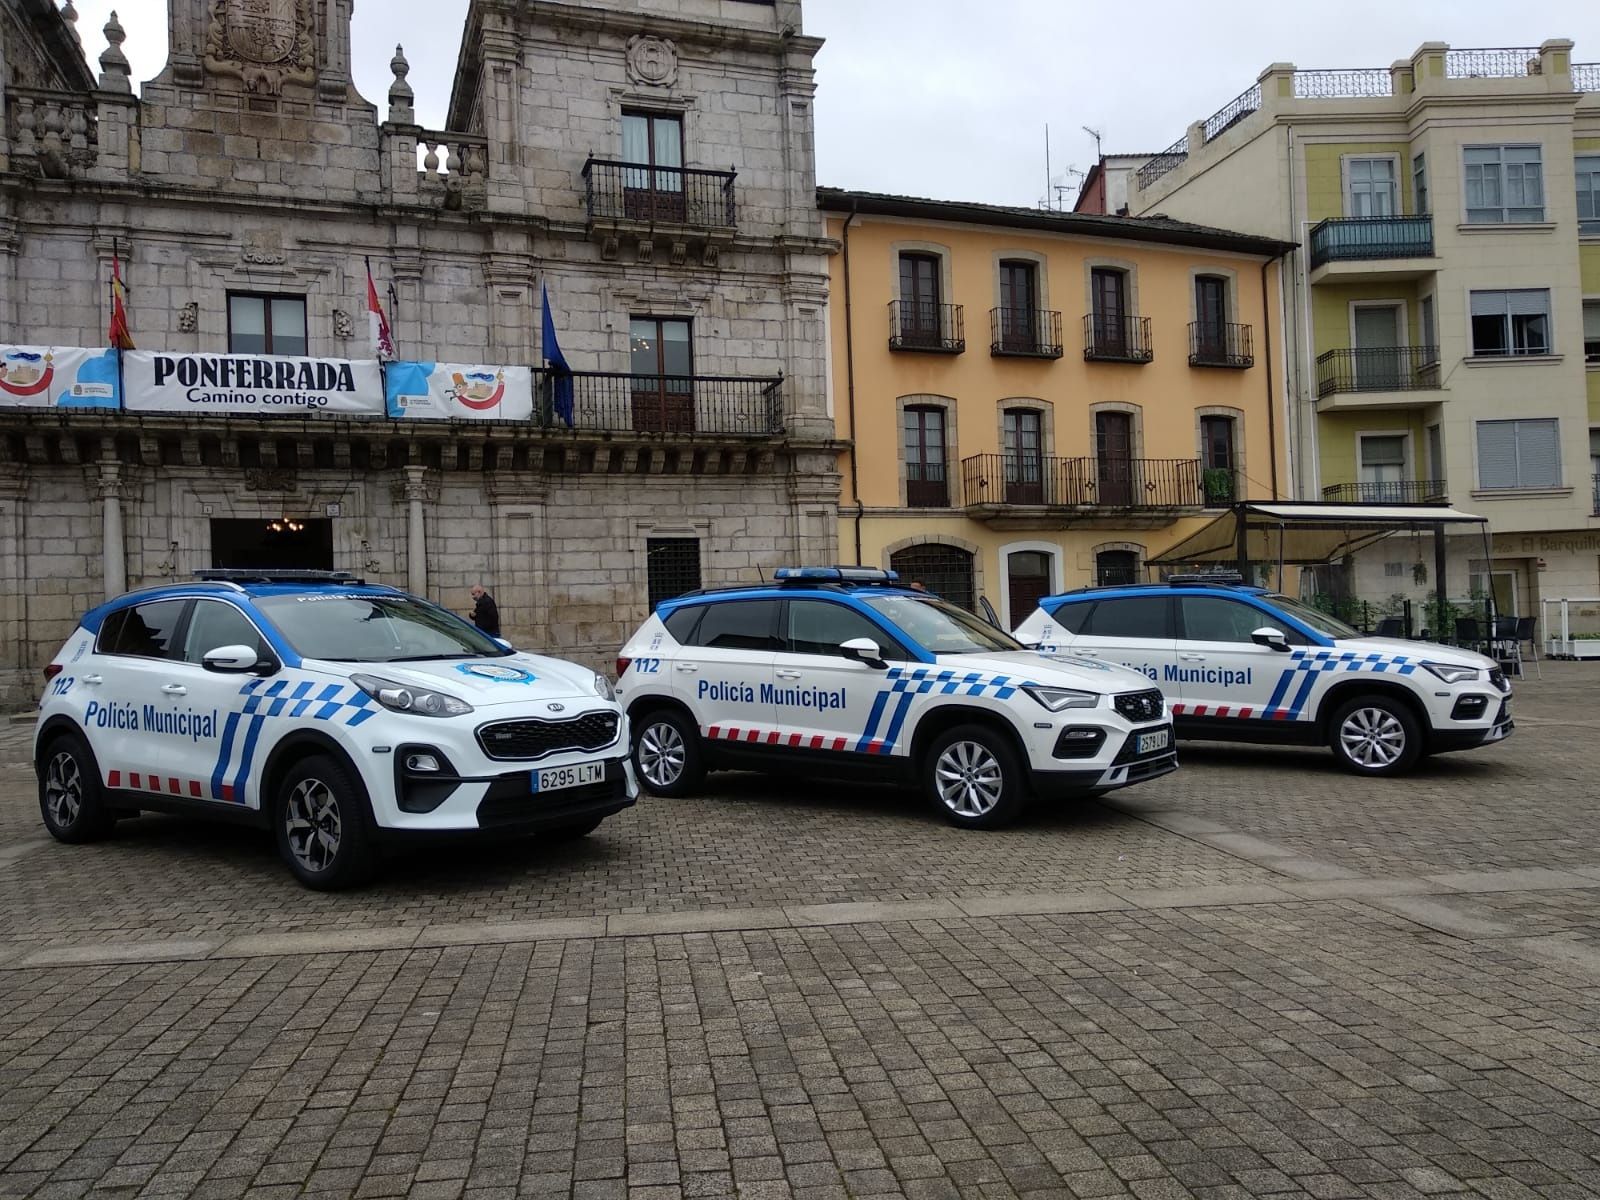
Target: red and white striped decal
[
  {"x": 771, "y": 737},
  {"x": 156, "y": 783},
  {"x": 1242, "y": 712}
]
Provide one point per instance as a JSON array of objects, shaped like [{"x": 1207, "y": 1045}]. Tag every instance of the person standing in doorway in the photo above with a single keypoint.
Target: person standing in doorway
[{"x": 485, "y": 613}]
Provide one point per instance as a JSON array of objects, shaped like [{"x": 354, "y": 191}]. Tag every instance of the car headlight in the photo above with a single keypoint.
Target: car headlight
[
  {"x": 403, "y": 698},
  {"x": 602, "y": 687},
  {"x": 1060, "y": 699},
  {"x": 1451, "y": 673}
]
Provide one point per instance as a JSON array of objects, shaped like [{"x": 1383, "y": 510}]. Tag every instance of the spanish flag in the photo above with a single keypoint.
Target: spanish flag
[{"x": 119, "y": 337}]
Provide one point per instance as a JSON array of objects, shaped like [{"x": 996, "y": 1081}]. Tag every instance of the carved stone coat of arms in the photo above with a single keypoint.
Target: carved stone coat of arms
[{"x": 264, "y": 43}]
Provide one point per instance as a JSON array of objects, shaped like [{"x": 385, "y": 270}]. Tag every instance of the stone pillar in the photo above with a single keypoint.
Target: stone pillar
[
  {"x": 416, "y": 491},
  {"x": 113, "y": 549}
]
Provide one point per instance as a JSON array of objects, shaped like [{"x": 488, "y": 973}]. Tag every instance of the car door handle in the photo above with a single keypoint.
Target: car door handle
[
  {"x": 174, "y": 689},
  {"x": 92, "y": 680},
  {"x": 687, "y": 667},
  {"x": 1192, "y": 657},
  {"x": 1087, "y": 653},
  {"x": 788, "y": 674}
]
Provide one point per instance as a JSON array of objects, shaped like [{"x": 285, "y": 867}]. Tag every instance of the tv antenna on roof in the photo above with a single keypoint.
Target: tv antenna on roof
[{"x": 1095, "y": 134}]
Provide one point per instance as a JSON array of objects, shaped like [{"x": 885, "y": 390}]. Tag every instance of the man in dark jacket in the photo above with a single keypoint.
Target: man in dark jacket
[{"x": 485, "y": 614}]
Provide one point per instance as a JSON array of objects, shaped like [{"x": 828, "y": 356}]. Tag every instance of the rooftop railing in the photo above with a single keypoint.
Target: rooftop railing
[
  {"x": 1496, "y": 62},
  {"x": 1586, "y": 77},
  {"x": 1343, "y": 83}
]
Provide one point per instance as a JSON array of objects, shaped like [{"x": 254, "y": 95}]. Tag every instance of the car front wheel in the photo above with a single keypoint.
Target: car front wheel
[
  {"x": 321, "y": 823},
  {"x": 974, "y": 778},
  {"x": 1375, "y": 735},
  {"x": 70, "y": 797},
  {"x": 666, "y": 753}
]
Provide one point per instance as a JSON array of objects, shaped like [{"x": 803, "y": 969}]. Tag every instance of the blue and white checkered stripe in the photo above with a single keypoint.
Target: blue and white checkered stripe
[
  {"x": 306, "y": 699},
  {"x": 906, "y": 684},
  {"x": 1310, "y": 665}
]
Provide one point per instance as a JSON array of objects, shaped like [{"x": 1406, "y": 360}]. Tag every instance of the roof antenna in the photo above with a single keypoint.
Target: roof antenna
[
  {"x": 761, "y": 573},
  {"x": 1095, "y": 134}
]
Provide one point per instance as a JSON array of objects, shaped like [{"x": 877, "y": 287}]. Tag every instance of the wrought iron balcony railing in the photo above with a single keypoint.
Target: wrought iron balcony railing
[
  {"x": 1213, "y": 344},
  {"x": 927, "y": 485},
  {"x": 1355, "y": 239},
  {"x": 1116, "y": 339},
  {"x": 1597, "y": 495},
  {"x": 1378, "y": 369},
  {"x": 923, "y": 325},
  {"x": 1025, "y": 332},
  {"x": 622, "y": 191},
  {"x": 1400, "y": 491},
  {"x": 989, "y": 480},
  {"x": 616, "y": 402}
]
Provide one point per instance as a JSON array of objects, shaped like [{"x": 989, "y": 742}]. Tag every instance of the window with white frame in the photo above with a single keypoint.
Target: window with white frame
[
  {"x": 1428, "y": 326},
  {"x": 1519, "y": 454},
  {"x": 1383, "y": 467},
  {"x": 1511, "y": 323},
  {"x": 1588, "y": 167},
  {"x": 1591, "y": 332},
  {"x": 1419, "y": 184},
  {"x": 1505, "y": 184},
  {"x": 1371, "y": 189}
]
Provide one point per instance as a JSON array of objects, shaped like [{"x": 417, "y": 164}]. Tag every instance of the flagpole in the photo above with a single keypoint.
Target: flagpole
[{"x": 111, "y": 289}]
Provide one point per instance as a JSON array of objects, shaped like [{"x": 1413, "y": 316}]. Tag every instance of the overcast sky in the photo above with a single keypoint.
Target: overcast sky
[{"x": 950, "y": 98}]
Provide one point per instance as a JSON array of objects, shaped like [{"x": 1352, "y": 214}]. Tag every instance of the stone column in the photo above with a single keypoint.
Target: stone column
[
  {"x": 416, "y": 491},
  {"x": 113, "y": 549}
]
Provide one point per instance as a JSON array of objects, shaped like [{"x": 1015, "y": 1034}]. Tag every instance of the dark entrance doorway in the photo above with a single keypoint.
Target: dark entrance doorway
[{"x": 282, "y": 543}]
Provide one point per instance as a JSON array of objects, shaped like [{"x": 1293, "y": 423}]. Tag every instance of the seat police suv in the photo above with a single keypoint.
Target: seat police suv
[
  {"x": 1241, "y": 664},
  {"x": 842, "y": 672},
  {"x": 336, "y": 713}
]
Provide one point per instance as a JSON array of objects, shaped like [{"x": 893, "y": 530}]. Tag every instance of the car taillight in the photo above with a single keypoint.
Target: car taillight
[
  {"x": 52, "y": 671},
  {"x": 622, "y": 666}
]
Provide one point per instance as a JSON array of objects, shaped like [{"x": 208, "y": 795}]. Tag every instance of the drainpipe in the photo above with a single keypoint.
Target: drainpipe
[
  {"x": 850, "y": 382},
  {"x": 1272, "y": 401}
]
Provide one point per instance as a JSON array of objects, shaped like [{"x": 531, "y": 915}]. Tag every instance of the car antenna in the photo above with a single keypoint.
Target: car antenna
[{"x": 761, "y": 573}]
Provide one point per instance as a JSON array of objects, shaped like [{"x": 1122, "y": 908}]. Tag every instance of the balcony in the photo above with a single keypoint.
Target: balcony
[
  {"x": 1378, "y": 377},
  {"x": 1019, "y": 492},
  {"x": 925, "y": 326},
  {"x": 1024, "y": 333},
  {"x": 615, "y": 402},
  {"x": 1402, "y": 491},
  {"x": 1224, "y": 345},
  {"x": 1116, "y": 339},
  {"x": 1596, "y": 507},
  {"x": 1371, "y": 248},
  {"x": 640, "y": 202}
]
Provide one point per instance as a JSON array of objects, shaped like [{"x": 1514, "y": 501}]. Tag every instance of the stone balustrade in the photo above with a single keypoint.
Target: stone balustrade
[{"x": 53, "y": 134}]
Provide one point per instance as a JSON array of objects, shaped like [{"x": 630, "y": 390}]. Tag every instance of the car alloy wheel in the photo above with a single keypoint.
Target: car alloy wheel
[
  {"x": 63, "y": 789},
  {"x": 313, "y": 825},
  {"x": 1372, "y": 738},
  {"x": 969, "y": 779},
  {"x": 662, "y": 754}
]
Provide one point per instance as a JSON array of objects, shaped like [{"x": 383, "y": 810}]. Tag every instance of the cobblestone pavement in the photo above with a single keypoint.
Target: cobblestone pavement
[{"x": 1254, "y": 977}]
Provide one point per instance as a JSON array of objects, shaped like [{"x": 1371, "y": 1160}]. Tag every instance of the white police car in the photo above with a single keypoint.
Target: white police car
[
  {"x": 337, "y": 713},
  {"x": 1240, "y": 664},
  {"x": 839, "y": 671}
]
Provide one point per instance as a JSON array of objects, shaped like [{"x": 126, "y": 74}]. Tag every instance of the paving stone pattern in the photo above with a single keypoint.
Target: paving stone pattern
[{"x": 1254, "y": 977}]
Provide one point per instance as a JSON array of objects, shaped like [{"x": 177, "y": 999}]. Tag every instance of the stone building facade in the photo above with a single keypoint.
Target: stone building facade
[{"x": 652, "y": 170}]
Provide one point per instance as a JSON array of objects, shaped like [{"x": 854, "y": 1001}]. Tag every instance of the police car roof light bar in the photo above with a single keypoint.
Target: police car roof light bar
[
  {"x": 812, "y": 575},
  {"x": 1207, "y": 577},
  {"x": 275, "y": 575}
]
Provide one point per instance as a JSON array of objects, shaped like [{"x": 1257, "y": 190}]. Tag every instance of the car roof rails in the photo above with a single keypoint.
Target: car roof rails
[
  {"x": 1206, "y": 579},
  {"x": 276, "y": 575}
]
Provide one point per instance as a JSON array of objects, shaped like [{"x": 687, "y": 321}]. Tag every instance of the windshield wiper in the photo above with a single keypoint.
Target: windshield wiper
[{"x": 431, "y": 657}]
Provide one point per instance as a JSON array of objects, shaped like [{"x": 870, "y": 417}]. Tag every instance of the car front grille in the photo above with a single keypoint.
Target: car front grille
[
  {"x": 1141, "y": 706},
  {"x": 527, "y": 739}
]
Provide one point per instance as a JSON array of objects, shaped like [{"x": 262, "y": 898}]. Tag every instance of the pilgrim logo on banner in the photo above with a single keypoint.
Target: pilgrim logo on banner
[
  {"x": 459, "y": 391},
  {"x": 251, "y": 384},
  {"x": 58, "y": 377}
]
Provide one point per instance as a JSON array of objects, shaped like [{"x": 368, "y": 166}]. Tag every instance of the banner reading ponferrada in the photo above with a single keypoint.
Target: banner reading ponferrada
[
  {"x": 57, "y": 377},
  {"x": 265, "y": 385},
  {"x": 459, "y": 391}
]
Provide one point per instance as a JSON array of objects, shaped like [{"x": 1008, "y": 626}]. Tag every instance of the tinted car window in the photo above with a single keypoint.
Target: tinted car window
[
  {"x": 214, "y": 625},
  {"x": 819, "y": 627},
  {"x": 739, "y": 625},
  {"x": 374, "y": 628},
  {"x": 143, "y": 631},
  {"x": 681, "y": 622},
  {"x": 1071, "y": 617},
  {"x": 1216, "y": 619},
  {"x": 1131, "y": 617}
]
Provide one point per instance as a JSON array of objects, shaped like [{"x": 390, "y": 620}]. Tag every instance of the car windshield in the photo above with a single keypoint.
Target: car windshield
[
  {"x": 1314, "y": 618},
  {"x": 940, "y": 627},
  {"x": 369, "y": 629}
]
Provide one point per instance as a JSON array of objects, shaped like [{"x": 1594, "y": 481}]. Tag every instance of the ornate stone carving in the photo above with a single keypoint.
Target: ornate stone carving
[
  {"x": 344, "y": 326},
  {"x": 652, "y": 60},
  {"x": 189, "y": 317},
  {"x": 264, "y": 249},
  {"x": 270, "y": 479},
  {"x": 263, "y": 43}
]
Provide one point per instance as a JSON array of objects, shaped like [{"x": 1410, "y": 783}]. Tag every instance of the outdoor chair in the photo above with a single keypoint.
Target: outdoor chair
[
  {"x": 1469, "y": 634},
  {"x": 1525, "y": 632},
  {"x": 1391, "y": 627},
  {"x": 1506, "y": 646}
]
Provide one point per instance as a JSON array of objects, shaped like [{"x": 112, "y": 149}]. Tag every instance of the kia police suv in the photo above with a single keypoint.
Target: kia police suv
[
  {"x": 1240, "y": 664},
  {"x": 336, "y": 713},
  {"x": 841, "y": 672}
]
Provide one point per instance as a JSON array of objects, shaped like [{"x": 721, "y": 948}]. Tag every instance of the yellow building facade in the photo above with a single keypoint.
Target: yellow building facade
[{"x": 1036, "y": 400}]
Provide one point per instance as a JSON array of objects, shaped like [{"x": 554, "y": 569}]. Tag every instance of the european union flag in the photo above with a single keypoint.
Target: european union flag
[{"x": 560, "y": 374}]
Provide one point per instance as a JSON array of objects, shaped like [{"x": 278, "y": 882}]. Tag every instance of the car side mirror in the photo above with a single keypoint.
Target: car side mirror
[
  {"x": 503, "y": 644},
  {"x": 864, "y": 650},
  {"x": 230, "y": 660},
  {"x": 1272, "y": 639}
]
